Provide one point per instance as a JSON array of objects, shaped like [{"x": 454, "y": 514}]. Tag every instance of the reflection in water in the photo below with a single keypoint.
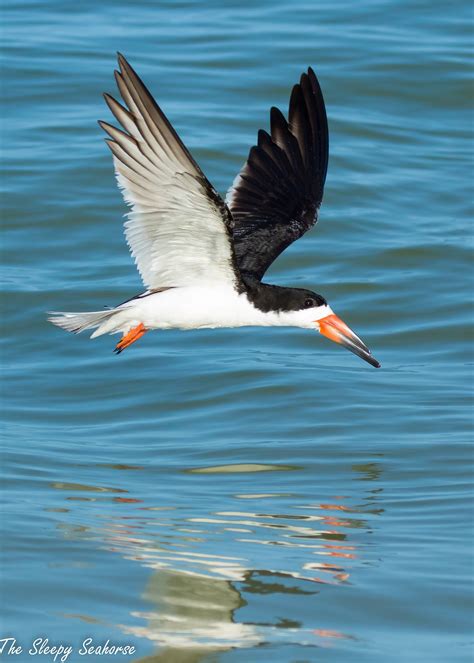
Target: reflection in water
[
  {"x": 192, "y": 616},
  {"x": 199, "y": 598}
]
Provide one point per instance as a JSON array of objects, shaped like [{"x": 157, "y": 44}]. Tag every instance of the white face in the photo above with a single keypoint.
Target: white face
[{"x": 306, "y": 318}]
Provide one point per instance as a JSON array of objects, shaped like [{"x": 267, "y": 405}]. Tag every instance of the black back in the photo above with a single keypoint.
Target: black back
[{"x": 277, "y": 194}]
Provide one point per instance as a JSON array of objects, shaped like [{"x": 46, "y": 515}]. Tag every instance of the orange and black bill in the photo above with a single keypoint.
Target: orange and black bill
[{"x": 334, "y": 328}]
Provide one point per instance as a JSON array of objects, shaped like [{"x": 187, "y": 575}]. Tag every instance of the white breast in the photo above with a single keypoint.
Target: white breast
[{"x": 198, "y": 308}]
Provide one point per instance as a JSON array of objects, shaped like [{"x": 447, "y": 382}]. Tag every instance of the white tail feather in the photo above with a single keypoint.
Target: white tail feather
[{"x": 78, "y": 322}]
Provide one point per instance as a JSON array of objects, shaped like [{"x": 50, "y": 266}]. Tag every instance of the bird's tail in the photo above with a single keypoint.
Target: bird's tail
[{"x": 105, "y": 321}]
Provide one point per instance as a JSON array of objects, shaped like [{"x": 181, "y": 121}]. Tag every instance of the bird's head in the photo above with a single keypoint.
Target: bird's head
[{"x": 309, "y": 310}]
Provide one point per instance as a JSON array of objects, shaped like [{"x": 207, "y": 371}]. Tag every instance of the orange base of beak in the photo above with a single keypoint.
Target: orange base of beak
[
  {"x": 332, "y": 326},
  {"x": 336, "y": 330}
]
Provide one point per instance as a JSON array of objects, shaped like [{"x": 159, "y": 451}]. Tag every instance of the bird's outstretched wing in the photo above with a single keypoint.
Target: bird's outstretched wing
[
  {"x": 276, "y": 196},
  {"x": 179, "y": 229}
]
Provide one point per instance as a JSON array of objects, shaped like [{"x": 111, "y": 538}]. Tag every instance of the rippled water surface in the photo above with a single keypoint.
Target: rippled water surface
[{"x": 255, "y": 494}]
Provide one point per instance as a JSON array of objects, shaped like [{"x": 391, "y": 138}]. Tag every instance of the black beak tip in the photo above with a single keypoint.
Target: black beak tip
[{"x": 373, "y": 362}]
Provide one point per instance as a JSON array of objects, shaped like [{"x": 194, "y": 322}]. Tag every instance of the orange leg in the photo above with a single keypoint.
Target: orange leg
[{"x": 132, "y": 336}]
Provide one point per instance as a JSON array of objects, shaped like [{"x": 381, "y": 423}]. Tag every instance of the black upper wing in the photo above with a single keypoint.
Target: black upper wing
[{"x": 276, "y": 196}]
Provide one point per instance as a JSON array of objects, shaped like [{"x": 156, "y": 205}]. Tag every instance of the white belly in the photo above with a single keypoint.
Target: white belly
[{"x": 197, "y": 308}]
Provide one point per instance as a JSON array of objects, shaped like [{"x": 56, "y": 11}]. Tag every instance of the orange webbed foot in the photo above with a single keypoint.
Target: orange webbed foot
[{"x": 132, "y": 336}]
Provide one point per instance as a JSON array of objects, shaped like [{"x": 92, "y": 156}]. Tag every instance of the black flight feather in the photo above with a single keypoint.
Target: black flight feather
[{"x": 277, "y": 194}]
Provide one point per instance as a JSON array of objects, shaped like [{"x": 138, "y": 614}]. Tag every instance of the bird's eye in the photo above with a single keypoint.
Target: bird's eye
[{"x": 309, "y": 303}]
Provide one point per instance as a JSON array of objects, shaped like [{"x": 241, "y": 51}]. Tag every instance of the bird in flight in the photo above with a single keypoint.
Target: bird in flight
[{"x": 202, "y": 259}]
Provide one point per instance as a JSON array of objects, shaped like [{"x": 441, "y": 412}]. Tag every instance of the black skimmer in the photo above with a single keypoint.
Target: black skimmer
[{"x": 202, "y": 259}]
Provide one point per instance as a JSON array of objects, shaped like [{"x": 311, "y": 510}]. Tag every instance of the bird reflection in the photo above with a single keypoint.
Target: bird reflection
[
  {"x": 192, "y": 617},
  {"x": 206, "y": 570}
]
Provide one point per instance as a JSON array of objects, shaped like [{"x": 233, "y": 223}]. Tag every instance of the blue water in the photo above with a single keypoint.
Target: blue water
[{"x": 256, "y": 494}]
